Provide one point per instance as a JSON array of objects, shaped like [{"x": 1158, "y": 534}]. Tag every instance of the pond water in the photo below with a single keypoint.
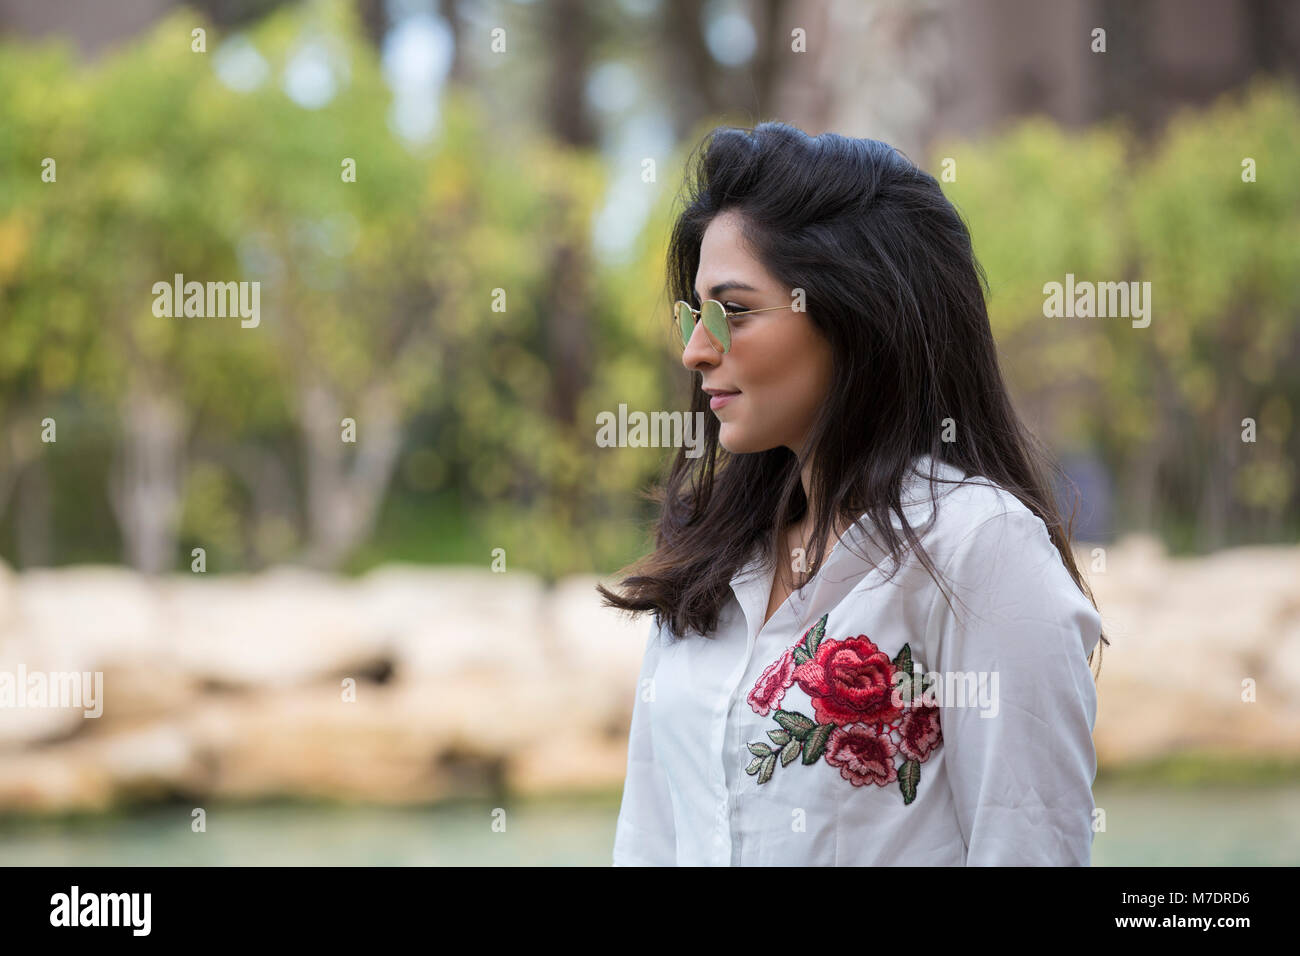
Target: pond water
[{"x": 1145, "y": 826}]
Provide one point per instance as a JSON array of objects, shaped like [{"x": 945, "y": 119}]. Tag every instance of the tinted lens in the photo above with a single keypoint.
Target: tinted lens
[
  {"x": 714, "y": 317},
  {"x": 685, "y": 322},
  {"x": 714, "y": 320}
]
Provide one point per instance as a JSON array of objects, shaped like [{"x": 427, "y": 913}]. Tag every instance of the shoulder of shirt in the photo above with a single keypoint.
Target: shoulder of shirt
[{"x": 960, "y": 509}]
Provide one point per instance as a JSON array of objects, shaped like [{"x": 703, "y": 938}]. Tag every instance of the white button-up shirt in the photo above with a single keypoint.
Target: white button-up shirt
[{"x": 803, "y": 742}]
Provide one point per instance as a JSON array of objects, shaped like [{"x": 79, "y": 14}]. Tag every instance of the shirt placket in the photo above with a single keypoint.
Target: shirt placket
[{"x": 726, "y": 733}]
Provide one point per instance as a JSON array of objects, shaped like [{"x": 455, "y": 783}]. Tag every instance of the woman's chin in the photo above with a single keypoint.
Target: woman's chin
[
  {"x": 734, "y": 440},
  {"x": 727, "y": 437}
]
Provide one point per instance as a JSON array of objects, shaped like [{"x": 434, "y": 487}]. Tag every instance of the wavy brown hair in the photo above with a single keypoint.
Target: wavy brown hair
[{"x": 892, "y": 282}]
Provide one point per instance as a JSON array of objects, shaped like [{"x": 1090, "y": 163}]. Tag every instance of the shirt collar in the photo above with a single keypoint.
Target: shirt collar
[{"x": 853, "y": 556}]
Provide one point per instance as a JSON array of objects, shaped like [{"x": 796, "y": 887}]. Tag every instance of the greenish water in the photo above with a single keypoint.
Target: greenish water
[
  {"x": 537, "y": 833},
  {"x": 1146, "y": 825}
]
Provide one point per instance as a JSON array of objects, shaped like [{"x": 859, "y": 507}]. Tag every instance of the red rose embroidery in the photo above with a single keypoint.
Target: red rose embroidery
[
  {"x": 850, "y": 681},
  {"x": 864, "y": 716}
]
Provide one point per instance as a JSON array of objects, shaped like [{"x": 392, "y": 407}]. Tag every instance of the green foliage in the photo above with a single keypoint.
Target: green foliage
[
  {"x": 1222, "y": 255},
  {"x": 387, "y": 286}
]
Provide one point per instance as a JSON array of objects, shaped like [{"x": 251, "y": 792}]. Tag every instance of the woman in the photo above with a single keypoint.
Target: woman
[{"x": 922, "y": 694}]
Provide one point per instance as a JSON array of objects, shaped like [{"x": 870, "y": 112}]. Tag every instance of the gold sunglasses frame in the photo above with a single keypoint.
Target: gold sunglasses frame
[{"x": 697, "y": 316}]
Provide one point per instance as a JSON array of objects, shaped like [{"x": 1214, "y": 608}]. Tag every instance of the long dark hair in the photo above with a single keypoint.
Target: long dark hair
[{"x": 892, "y": 282}]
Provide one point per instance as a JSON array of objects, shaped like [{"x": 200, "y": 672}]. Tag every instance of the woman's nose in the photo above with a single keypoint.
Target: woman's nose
[{"x": 699, "y": 350}]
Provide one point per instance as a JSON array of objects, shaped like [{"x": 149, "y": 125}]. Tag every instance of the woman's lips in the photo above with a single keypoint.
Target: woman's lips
[{"x": 717, "y": 401}]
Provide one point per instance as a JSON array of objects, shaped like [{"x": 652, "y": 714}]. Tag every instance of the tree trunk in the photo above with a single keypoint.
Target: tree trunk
[
  {"x": 343, "y": 496},
  {"x": 21, "y": 437},
  {"x": 33, "y": 517},
  {"x": 144, "y": 482},
  {"x": 567, "y": 33}
]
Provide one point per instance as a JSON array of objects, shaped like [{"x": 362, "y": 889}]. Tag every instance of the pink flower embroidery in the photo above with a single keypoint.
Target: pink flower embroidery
[
  {"x": 862, "y": 755},
  {"x": 920, "y": 732},
  {"x": 772, "y": 684},
  {"x": 777, "y": 677}
]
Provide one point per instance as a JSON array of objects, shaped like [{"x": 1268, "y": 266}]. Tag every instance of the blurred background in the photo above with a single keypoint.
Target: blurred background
[{"x": 366, "y": 643}]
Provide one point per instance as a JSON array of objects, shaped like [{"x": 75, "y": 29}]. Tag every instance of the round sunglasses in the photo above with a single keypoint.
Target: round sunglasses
[{"x": 715, "y": 319}]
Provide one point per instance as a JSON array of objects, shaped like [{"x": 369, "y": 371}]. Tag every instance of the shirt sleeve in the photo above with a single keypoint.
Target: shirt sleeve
[
  {"x": 645, "y": 835},
  {"x": 1021, "y": 761}
]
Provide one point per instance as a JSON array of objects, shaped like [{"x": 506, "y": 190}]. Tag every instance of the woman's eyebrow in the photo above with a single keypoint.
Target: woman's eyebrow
[{"x": 727, "y": 286}]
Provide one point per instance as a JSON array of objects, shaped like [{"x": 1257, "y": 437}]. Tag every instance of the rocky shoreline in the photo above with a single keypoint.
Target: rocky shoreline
[{"x": 417, "y": 684}]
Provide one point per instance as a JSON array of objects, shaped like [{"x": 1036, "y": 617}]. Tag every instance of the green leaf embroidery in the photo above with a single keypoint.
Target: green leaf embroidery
[
  {"x": 760, "y": 749},
  {"x": 769, "y": 764},
  {"x": 908, "y": 683},
  {"x": 795, "y": 722},
  {"x": 909, "y": 775},
  {"x": 817, "y": 633},
  {"x": 790, "y": 751},
  {"x": 779, "y": 737},
  {"x": 754, "y": 765},
  {"x": 816, "y": 742}
]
